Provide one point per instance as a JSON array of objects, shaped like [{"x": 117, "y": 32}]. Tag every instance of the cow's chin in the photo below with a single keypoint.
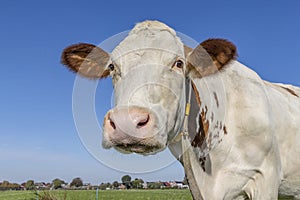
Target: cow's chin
[
  {"x": 128, "y": 144},
  {"x": 139, "y": 148}
]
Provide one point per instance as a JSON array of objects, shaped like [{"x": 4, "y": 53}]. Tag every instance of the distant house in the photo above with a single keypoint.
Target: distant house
[
  {"x": 86, "y": 186},
  {"x": 64, "y": 186},
  {"x": 178, "y": 184},
  {"x": 23, "y": 186},
  {"x": 166, "y": 185},
  {"x": 145, "y": 185},
  {"x": 185, "y": 187},
  {"x": 122, "y": 187},
  {"x": 41, "y": 186},
  {"x": 181, "y": 185},
  {"x": 94, "y": 187}
]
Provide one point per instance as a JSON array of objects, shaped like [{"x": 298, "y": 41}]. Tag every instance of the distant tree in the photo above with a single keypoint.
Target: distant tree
[
  {"x": 108, "y": 185},
  {"x": 29, "y": 185},
  {"x": 5, "y": 184},
  {"x": 115, "y": 184},
  {"x": 137, "y": 183},
  {"x": 77, "y": 182},
  {"x": 154, "y": 185},
  {"x": 126, "y": 181},
  {"x": 104, "y": 186},
  {"x": 57, "y": 183},
  {"x": 14, "y": 186}
]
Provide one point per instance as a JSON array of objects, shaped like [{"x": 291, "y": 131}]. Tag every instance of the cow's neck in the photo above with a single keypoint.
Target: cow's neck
[
  {"x": 207, "y": 117},
  {"x": 206, "y": 128}
]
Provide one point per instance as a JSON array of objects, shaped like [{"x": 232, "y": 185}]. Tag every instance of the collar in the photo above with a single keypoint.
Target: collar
[{"x": 184, "y": 133}]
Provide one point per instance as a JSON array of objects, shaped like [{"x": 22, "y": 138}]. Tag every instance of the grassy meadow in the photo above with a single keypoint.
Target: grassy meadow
[{"x": 107, "y": 194}]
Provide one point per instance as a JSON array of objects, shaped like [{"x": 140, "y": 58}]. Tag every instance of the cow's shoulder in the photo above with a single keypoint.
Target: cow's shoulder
[
  {"x": 240, "y": 72},
  {"x": 287, "y": 89}
]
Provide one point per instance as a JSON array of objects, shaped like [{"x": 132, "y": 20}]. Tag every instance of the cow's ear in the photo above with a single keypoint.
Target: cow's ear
[
  {"x": 210, "y": 56},
  {"x": 87, "y": 60}
]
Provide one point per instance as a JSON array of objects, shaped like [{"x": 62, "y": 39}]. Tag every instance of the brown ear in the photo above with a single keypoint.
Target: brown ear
[
  {"x": 87, "y": 60},
  {"x": 187, "y": 50},
  {"x": 210, "y": 56}
]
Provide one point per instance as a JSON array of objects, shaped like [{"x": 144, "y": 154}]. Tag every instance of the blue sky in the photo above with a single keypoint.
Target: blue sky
[{"x": 38, "y": 137}]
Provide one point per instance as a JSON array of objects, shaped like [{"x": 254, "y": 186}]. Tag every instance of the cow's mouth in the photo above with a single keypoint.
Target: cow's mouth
[{"x": 138, "y": 148}]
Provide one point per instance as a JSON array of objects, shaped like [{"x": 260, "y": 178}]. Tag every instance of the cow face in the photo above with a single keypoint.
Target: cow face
[{"x": 148, "y": 69}]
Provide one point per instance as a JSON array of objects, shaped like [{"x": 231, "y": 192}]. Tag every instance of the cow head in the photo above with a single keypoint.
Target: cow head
[{"x": 148, "y": 69}]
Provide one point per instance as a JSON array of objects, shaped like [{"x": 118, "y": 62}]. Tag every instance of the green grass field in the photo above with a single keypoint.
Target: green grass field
[{"x": 108, "y": 194}]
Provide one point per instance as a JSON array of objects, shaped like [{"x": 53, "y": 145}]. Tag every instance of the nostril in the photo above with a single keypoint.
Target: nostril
[
  {"x": 112, "y": 124},
  {"x": 143, "y": 122}
]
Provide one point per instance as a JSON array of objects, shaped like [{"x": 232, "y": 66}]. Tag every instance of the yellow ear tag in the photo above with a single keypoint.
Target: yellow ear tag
[{"x": 187, "y": 109}]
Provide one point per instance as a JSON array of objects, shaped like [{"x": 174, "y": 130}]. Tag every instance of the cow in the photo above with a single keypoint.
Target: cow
[{"x": 236, "y": 135}]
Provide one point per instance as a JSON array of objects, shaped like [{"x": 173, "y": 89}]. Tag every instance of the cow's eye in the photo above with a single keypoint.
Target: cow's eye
[
  {"x": 178, "y": 64},
  {"x": 111, "y": 67}
]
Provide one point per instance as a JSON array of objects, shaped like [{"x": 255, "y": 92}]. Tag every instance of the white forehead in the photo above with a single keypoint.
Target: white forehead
[{"x": 149, "y": 40}]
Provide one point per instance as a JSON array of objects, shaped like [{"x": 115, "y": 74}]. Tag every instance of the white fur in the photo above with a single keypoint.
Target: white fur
[
  {"x": 145, "y": 79},
  {"x": 261, "y": 151}
]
